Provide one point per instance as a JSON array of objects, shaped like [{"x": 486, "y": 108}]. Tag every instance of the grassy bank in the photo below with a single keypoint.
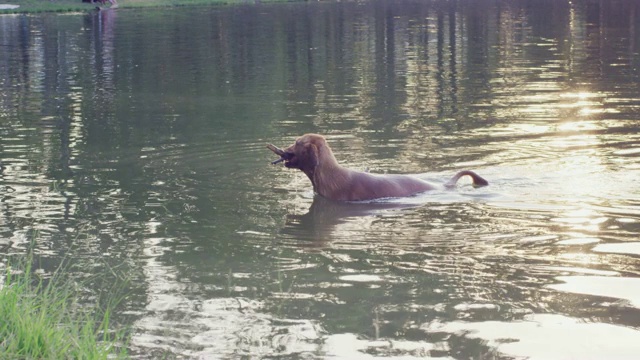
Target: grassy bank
[
  {"x": 41, "y": 320},
  {"x": 35, "y": 6}
]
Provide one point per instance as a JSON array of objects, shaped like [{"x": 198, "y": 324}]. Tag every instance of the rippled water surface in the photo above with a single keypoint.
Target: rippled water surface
[{"x": 133, "y": 141}]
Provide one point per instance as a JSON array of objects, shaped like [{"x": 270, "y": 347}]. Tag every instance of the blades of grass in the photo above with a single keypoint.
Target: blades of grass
[{"x": 38, "y": 321}]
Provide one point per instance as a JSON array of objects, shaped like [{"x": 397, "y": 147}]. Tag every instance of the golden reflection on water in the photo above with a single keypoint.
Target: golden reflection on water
[{"x": 547, "y": 336}]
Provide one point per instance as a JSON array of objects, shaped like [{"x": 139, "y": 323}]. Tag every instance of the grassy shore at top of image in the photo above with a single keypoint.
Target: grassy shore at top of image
[
  {"x": 36, "y": 6},
  {"x": 41, "y": 319}
]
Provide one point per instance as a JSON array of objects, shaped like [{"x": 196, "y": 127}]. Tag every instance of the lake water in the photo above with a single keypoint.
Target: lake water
[{"x": 132, "y": 142}]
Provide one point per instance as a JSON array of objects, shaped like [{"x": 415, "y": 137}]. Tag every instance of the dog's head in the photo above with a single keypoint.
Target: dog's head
[{"x": 305, "y": 154}]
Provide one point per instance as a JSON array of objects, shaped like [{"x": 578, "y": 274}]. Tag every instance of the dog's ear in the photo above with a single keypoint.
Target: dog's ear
[{"x": 313, "y": 155}]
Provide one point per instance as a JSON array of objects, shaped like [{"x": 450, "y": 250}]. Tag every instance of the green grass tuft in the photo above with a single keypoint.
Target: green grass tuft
[{"x": 41, "y": 319}]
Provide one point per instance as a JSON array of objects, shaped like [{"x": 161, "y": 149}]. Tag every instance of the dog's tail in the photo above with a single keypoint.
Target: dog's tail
[{"x": 477, "y": 179}]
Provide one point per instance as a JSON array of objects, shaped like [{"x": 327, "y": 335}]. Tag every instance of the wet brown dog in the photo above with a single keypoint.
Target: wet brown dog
[{"x": 314, "y": 157}]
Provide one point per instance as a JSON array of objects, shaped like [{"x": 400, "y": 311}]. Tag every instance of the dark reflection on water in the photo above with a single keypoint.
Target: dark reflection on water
[{"x": 135, "y": 139}]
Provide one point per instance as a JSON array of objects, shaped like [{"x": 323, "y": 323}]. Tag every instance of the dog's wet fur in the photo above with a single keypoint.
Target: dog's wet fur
[{"x": 312, "y": 155}]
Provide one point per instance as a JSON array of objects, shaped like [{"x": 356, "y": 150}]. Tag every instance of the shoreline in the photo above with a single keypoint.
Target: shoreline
[{"x": 63, "y": 6}]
